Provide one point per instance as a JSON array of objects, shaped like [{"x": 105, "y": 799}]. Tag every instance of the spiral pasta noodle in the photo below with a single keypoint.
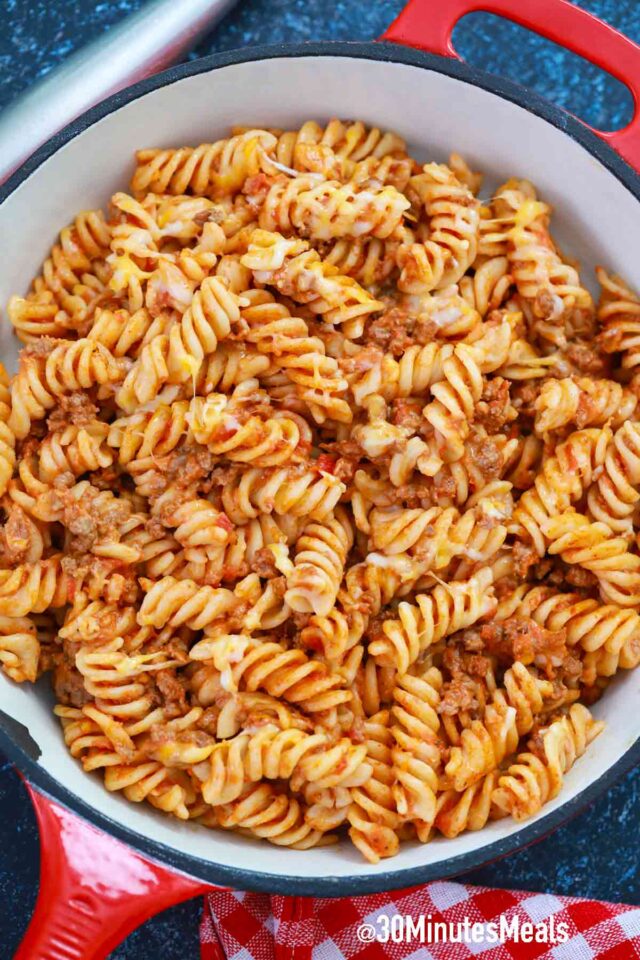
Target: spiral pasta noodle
[
  {"x": 438, "y": 535},
  {"x": 329, "y": 209},
  {"x": 299, "y": 490},
  {"x": 372, "y": 815},
  {"x": 433, "y": 616},
  {"x": 469, "y": 809},
  {"x": 275, "y": 754},
  {"x": 220, "y": 423},
  {"x": 608, "y": 634},
  {"x": 591, "y": 402},
  {"x": 592, "y": 546},
  {"x": 72, "y": 280},
  {"x": 453, "y": 217},
  {"x": 533, "y": 780},
  {"x": 178, "y": 356},
  {"x": 174, "y": 602},
  {"x": 265, "y": 665},
  {"x": 561, "y": 482},
  {"x": 367, "y": 587},
  {"x": 549, "y": 286},
  {"x": 69, "y": 366},
  {"x": 619, "y": 319},
  {"x": 210, "y": 169},
  {"x": 417, "y": 753},
  {"x": 300, "y": 273},
  {"x": 33, "y": 588},
  {"x": 321, "y": 553},
  {"x": 75, "y": 450},
  {"x": 510, "y": 715},
  {"x": 316, "y": 377},
  {"x": 612, "y": 498},
  {"x": 270, "y": 814},
  {"x": 19, "y": 648},
  {"x": 336, "y": 149},
  {"x": 370, "y": 260}
]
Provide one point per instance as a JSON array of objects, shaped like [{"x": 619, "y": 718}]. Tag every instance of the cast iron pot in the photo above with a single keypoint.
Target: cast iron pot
[{"x": 108, "y": 863}]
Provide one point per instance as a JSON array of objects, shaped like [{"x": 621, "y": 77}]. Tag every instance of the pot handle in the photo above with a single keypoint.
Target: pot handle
[
  {"x": 94, "y": 890},
  {"x": 428, "y": 25}
]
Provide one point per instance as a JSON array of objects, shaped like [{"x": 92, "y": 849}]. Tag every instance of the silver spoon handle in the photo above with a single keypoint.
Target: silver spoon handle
[{"x": 141, "y": 45}]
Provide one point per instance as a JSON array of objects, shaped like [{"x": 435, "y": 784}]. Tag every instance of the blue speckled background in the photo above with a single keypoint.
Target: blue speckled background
[{"x": 596, "y": 855}]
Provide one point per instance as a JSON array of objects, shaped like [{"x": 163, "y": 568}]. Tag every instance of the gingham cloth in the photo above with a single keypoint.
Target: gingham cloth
[{"x": 254, "y": 926}]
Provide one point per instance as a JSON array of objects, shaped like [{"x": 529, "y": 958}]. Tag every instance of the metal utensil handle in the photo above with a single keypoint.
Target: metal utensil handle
[{"x": 141, "y": 45}]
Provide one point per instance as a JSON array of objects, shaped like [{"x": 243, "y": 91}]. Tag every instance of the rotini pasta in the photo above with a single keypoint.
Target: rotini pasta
[
  {"x": 372, "y": 815},
  {"x": 453, "y": 216},
  {"x": 325, "y": 210},
  {"x": 72, "y": 281},
  {"x": 298, "y": 272},
  {"x": 321, "y": 553},
  {"x": 535, "y": 778},
  {"x": 319, "y": 486},
  {"x": 609, "y": 635},
  {"x": 417, "y": 754},
  {"x": 594, "y": 547},
  {"x": 510, "y": 715},
  {"x": 273, "y": 815},
  {"x": 619, "y": 319},
  {"x": 212, "y": 169},
  {"x": 7, "y": 438},
  {"x": 65, "y": 367},
  {"x": 433, "y": 616}
]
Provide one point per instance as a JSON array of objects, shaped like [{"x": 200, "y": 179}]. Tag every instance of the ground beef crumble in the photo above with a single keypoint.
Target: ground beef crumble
[
  {"x": 392, "y": 331},
  {"x": 173, "y": 692},
  {"x": 524, "y": 557},
  {"x": 522, "y": 639},
  {"x": 72, "y": 408},
  {"x": 494, "y": 409},
  {"x": 264, "y": 564},
  {"x": 586, "y": 358}
]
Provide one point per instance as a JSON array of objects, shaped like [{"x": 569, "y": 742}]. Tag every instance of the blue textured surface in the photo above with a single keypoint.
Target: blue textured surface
[{"x": 597, "y": 853}]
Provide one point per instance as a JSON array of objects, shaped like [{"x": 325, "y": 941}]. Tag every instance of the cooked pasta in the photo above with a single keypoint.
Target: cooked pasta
[
  {"x": 453, "y": 216},
  {"x": 417, "y": 753},
  {"x": 608, "y": 634},
  {"x": 7, "y": 438},
  {"x": 298, "y": 271},
  {"x": 447, "y": 609},
  {"x": 319, "y": 486},
  {"x": 73, "y": 278},
  {"x": 510, "y": 715},
  {"x": 321, "y": 553},
  {"x": 273, "y": 815},
  {"x": 582, "y": 402},
  {"x": 469, "y": 809},
  {"x": 326, "y": 209},
  {"x": 534, "y": 778},
  {"x": 61, "y": 369},
  {"x": 372, "y": 815},
  {"x": 594, "y": 547}
]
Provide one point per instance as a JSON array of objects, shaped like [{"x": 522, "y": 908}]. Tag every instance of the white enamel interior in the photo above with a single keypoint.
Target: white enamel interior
[{"x": 596, "y": 219}]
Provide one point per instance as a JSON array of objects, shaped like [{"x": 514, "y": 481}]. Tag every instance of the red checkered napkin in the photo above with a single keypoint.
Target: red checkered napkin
[{"x": 255, "y": 926}]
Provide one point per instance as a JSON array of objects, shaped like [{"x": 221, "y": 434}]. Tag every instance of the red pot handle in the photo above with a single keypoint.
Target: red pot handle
[
  {"x": 94, "y": 890},
  {"x": 428, "y": 25}
]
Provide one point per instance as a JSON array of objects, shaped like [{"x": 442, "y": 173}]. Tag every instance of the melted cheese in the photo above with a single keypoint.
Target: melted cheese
[
  {"x": 226, "y": 651},
  {"x": 529, "y": 211},
  {"x": 124, "y": 270},
  {"x": 281, "y": 558}
]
